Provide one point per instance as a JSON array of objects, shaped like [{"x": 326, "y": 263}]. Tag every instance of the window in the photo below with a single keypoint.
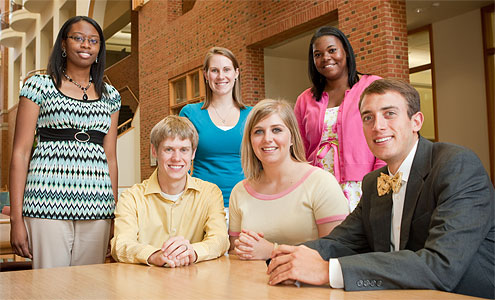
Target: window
[
  {"x": 421, "y": 77},
  {"x": 185, "y": 89}
]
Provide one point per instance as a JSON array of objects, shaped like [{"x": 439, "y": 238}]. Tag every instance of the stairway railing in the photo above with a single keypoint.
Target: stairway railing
[{"x": 124, "y": 127}]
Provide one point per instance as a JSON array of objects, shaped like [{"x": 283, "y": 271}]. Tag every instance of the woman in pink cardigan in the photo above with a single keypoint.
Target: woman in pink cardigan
[{"x": 328, "y": 113}]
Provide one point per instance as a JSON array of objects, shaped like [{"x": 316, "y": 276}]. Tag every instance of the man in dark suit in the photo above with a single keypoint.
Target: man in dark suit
[{"x": 429, "y": 225}]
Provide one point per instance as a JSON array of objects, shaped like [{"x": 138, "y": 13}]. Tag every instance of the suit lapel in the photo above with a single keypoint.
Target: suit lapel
[
  {"x": 380, "y": 219},
  {"x": 419, "y": 169}
]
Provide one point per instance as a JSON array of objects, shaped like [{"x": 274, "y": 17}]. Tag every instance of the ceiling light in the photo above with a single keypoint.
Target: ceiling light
[
  {"x": 419, "y": 10},
  {"x": 435, "y": 4}
]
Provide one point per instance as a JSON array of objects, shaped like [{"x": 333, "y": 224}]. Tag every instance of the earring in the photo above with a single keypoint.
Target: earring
[
  {"x": 96, "y": 61},
  {"x": 64, "y": 53}
]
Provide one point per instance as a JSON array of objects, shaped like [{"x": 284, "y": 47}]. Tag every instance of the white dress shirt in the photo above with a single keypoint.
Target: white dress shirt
[{"x": 335, "y": 271}]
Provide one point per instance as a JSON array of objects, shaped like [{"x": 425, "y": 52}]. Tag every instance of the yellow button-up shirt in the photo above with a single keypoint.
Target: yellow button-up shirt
[{"x": 144, "y": 220}]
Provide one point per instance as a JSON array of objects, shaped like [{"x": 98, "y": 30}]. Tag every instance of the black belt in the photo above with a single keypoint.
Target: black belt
[{"x": 71, "y": 134}]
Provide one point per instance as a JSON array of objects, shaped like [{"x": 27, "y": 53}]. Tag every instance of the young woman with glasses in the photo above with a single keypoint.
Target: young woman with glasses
[{"x": 63, "y": 197}]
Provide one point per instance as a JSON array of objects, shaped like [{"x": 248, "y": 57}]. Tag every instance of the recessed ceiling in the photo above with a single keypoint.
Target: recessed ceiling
[
  {"x": 420, "y": 13},
  {"x": 120, "y": 40}
]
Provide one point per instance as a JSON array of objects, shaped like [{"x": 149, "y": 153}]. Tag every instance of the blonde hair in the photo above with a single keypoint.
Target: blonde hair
[
  {"x": 171, "y": 127},
  {"x": 251, "y": 165},
  {"x": 236, "y": 91}
]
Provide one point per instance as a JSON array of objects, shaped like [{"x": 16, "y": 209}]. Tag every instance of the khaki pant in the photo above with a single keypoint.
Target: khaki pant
[{"x": 61, "y": 243}]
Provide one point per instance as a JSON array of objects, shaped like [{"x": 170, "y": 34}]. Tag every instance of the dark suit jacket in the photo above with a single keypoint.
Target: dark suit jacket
[{"x": 447, "y": 230}]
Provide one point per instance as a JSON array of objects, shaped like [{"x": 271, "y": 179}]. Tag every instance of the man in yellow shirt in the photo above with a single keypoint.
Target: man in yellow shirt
[{"x": 171, "y": 218}]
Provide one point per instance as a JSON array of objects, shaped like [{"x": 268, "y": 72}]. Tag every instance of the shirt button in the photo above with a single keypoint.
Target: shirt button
[{"x": 174, "y": 231}]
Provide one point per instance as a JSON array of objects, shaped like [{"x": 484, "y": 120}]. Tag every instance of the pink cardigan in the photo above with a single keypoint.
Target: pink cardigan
[{"x": 355, "y": 158}]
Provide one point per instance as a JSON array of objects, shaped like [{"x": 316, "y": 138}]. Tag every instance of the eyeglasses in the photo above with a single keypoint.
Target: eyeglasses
[{"x": 80, "y": 39}]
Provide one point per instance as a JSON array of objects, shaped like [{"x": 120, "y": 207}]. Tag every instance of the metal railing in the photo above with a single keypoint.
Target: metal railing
[
  {"x": 4, "y": 20},
  {"x": 124, "y": 127},
  {"x": 133, "y": 103},
  {"x": 34, "y": 72},
  {"x": 5, "y": 15}
]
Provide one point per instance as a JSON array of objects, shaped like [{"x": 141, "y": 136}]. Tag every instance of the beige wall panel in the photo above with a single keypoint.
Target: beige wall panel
[
  {"x": 461, "y": 101},
  {"x": 285, "y": 78}
]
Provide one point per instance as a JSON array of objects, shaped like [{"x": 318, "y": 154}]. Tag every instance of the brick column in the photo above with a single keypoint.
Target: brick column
[
  {"x": 174, "y": 9},
  {"x": 377, "y": 30},
  {"x": 253, "y": 76}
]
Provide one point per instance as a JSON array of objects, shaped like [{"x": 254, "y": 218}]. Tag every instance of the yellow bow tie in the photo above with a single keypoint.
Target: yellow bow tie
[{"x": 385, "y": 183}]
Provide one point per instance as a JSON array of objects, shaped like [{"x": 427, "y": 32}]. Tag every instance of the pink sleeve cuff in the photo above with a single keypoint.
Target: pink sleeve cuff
[
  {"x": 331, "y": 219},
  {"x": 233, "y": 233}
]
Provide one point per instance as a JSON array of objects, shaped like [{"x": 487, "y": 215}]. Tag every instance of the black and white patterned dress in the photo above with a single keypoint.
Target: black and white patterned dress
[{"x": 69, "y": 180}]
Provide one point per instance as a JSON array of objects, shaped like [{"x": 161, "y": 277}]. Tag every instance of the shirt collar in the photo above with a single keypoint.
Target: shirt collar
[
  {"x": 153, "y": 186},
  {"x": 406, "y": 165}
]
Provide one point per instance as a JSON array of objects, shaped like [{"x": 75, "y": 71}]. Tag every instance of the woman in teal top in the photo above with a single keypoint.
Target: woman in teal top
[{"x": 219, "y": 121}]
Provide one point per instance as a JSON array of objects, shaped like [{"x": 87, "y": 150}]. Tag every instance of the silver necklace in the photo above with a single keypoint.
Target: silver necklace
[
  {"x": 84, "y": 89},
  {"x": 221, "y": 119}
]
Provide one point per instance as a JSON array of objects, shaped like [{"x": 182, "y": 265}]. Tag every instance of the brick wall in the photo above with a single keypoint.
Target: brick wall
[
  {"x": 171, "y": 44},
  {"x": 174, "y": 9},
  {"x": 124, "y": 73},
  {"x": 377, "y": 31}
]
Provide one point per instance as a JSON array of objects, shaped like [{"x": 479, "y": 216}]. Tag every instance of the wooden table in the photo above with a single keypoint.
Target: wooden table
[
  {"x": 223, "y": 278},
  {"x": 5, "y": 235},
  {"x": 8, "y": 260},
  {"x": 4, "y": 219}
]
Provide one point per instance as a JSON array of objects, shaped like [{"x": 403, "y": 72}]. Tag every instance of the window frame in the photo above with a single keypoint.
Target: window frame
[
  {"x": 431, "y": 67},
  {"x": 489, "y": 50},
  {"x": 190, "y": 98}
]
